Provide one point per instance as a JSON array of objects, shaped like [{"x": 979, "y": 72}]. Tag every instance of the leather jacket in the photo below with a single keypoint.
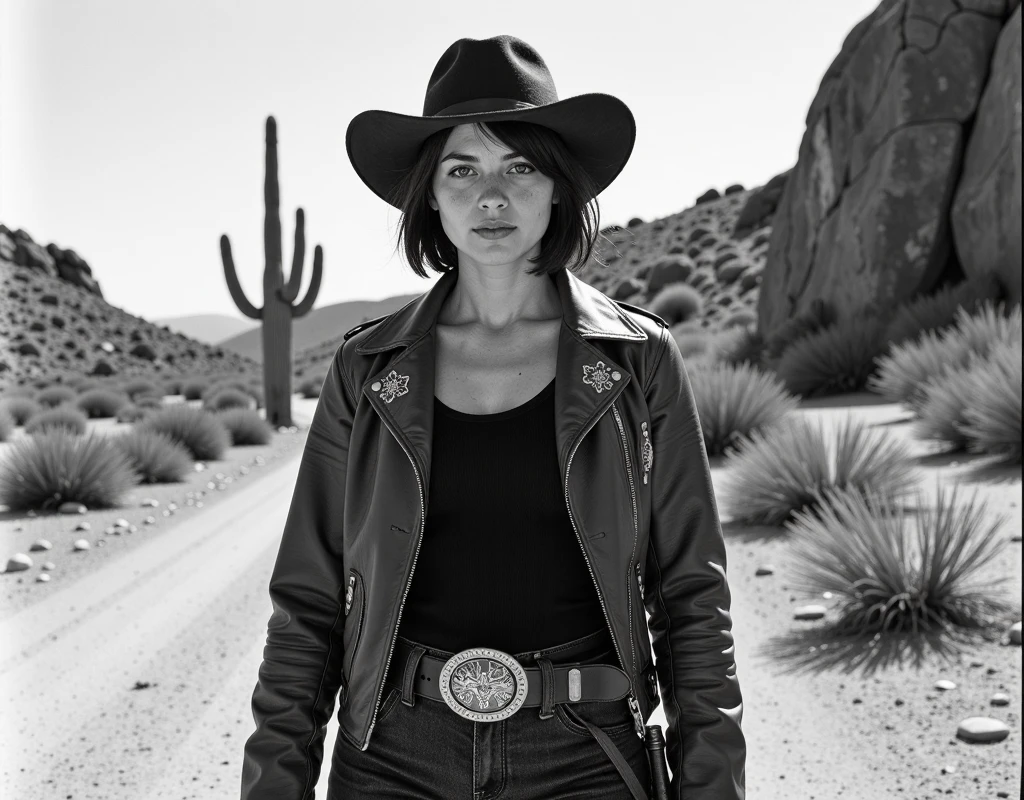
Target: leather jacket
[{"x": 639, "y": 495}]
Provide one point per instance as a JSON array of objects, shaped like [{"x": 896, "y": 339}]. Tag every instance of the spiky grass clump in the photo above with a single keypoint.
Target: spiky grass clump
[
  {"x": 903, "y": 373},
  {"x": 193, "y": 388},
  {"x": 21, "y": 408},
  {"x": 778, "y": 470},
  {"x": 155, "y": 456},
  {"x": 677, "y": 302},
  {"x": 199, "y": 430},
  {"x": 245, "y": 426},
  {"x": 66, "y": 416},
  {"x": 887, "y": 578},
  {"x": 937, "y": 311},
  {"x": 53, "y": 396},
  {"x": 734, "y": 400},
  {"x": 310, "y": 387},
  {"x": 837, "y": 359},
  {"x": 141, "y": 386},
  {"x": 101, "y": 403},
  {"x": 56, "y": 466},
  {"x": 978, "y": 407},
  {"x": 227, "y": 398}
]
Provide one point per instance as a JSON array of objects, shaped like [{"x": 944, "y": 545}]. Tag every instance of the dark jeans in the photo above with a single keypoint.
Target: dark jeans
[{"x": 429, "y": 751}]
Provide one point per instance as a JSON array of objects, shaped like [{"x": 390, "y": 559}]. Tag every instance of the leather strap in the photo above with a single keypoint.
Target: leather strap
[
  {"x": 618, "y": 760},
  {"x": 598, "y": 681}
]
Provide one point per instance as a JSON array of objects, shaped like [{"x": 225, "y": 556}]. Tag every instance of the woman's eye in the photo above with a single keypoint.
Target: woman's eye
[{"x": 516, "y": 166}]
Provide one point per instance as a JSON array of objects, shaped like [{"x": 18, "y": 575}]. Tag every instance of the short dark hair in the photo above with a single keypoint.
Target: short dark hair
[{"x": 569, "y": 239}]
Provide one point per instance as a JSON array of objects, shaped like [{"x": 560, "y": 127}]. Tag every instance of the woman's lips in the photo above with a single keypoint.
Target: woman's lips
[{"x": 494, "y": 233}]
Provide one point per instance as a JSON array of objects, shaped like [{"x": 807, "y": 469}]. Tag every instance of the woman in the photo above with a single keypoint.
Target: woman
[{"x": 498, "y": 479}]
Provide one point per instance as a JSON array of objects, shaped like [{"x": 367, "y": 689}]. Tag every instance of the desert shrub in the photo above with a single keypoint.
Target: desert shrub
[
  {"x": 6, "y": 424},
  {"x": 57, "y": 466},
  {"x": 199, "y": 430},
  {"x": 734, "y": 401},
  {"x": 193, "y": 388},
  {"x": 131, "y": 413},
  {"x": 101, "y": 403},
  {"x": 155, "y": 456},
  {"x": 977, "y": 407},
  {"x": 692, "y": 341},
  {"x": 173, "y": 385},
  {"x": 55, "y": 395},
  {"x": 904, "y": 371},
  {"x": 745, "y": 348},
  {"x": 818, "y": 315},
  {"x": 149, "y": 401},
  {"x": 310, "y": 387},
  {"x": 678, "y": 302},
  {"x": 66, "y": 416},
  {"x": 88, "y": 384},
  {"x": 18, "y": 391},
  {"x": 740, "y": 318},
  {"x": 21, "y": 409},
  {"x": 245, "y": 426},
  {"x": 141, "y": 386},
  {"x": 840, "y": 358},
  {"x": 778, "y": 467},
  {"x": 937, "y": 311},
  {"x": 887, "y": 578},
  {"x": 227, "y": 398}
]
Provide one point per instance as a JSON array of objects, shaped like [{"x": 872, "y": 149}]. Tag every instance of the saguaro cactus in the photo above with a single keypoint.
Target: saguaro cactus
[{"x": 277, "y": 312}]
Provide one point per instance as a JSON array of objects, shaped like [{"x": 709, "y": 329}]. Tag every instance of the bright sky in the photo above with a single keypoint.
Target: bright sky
[{"x": 133, "y": 131}]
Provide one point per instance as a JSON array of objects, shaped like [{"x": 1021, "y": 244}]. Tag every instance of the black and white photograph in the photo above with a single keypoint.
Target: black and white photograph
[{"x": 546, "y": 401}]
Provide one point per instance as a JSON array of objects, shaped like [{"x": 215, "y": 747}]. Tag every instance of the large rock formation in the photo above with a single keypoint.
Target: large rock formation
[
  {"x": 864, "y": 221},
  {"x": 986, "y": 210}
]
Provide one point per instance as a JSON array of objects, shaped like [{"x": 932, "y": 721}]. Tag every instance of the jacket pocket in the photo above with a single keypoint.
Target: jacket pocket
[{"x": 355, "y": 607}]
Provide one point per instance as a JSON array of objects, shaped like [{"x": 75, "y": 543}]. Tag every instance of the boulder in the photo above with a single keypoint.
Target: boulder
[
  {"x": 863, "y": 220},
  {"x": 986, "y": 212}
]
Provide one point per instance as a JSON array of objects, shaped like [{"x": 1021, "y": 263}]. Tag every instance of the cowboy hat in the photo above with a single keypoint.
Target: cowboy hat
[{"x": 501, "y": 78}]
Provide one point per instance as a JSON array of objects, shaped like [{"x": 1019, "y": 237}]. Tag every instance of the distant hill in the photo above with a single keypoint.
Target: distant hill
[
  {"x": 209, "y": 328},
  {"x": 52, "y": 330},
  {"x": 327, "y": 323}
]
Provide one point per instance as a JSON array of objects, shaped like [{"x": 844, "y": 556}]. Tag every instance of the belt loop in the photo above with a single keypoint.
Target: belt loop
[
  {"x": 547, "y": 686},
  {"x": 412, "y": 663}
]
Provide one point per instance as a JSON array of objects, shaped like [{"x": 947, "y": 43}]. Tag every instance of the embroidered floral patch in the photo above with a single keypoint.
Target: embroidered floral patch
[
  {"x": 597, "y": 376},
  {"x": 395, "y": 385}
]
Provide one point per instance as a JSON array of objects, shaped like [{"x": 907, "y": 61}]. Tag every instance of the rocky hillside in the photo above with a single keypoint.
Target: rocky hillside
[{"x": 52, "y": 328}]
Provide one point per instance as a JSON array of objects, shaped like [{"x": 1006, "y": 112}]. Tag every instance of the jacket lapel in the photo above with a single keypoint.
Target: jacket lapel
[{"x": 587, "y": 381}]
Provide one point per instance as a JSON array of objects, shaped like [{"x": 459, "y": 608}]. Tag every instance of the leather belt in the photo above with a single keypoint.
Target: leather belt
[{"x": 485, "y": 685}]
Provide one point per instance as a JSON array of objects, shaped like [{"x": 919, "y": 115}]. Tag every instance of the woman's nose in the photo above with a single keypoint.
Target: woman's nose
[{"x": 492, "y": 196}]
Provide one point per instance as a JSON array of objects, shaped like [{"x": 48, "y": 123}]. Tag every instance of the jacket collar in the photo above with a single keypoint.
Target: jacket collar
[
  {"x": 585, "y": 310},
  {"x": 587, "y": 381}
]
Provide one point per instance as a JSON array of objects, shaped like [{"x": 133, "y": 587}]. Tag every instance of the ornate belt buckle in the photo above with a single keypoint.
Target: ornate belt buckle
[{"x": 483, "y": 684}]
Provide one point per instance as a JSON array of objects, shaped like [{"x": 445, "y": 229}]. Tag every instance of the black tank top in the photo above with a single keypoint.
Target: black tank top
[{"x": 500, "y": 564}]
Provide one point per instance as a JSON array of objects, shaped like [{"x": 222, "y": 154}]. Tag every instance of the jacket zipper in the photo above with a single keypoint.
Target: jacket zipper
[
  {"x": 634, "y": 706},
  {"x": 632, "y": 494},
  {"x": 408, "y": 583}
]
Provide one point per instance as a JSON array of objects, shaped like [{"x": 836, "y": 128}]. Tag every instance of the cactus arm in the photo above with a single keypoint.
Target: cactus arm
[
  {"x": 290, "y": 291},
  {"x": 237, "y": 294},
  {"x": 314, "y": 284}
]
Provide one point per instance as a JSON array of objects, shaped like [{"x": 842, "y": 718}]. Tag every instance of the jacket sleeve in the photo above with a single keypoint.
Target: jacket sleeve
[
  {"x": 301, "y": 670},
  {"x": 688, "y": 597}
]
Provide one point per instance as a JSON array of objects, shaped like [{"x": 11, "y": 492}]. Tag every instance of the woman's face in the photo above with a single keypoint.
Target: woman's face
[{"x": 477, "y": 181}]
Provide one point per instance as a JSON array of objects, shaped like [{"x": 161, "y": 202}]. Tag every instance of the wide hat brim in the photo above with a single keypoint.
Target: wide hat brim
[{"x": 598, "y": 129}]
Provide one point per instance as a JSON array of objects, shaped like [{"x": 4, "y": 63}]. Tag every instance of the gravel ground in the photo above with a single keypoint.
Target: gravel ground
[{"x": 835, "y": 719}]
